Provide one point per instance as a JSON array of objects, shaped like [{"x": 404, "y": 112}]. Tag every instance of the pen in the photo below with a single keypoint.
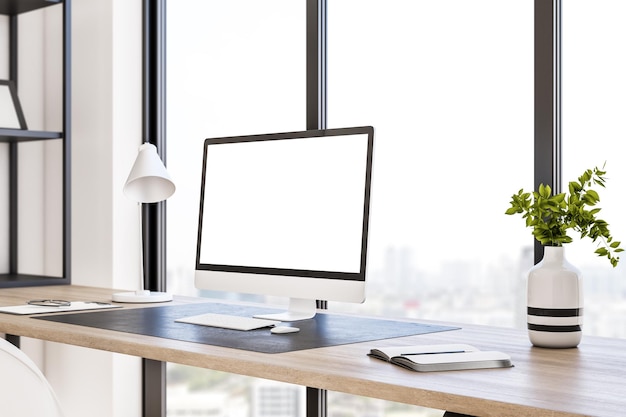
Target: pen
[{"x": 432, "y": 353}]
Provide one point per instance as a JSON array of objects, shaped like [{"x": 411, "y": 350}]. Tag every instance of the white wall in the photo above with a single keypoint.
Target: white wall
[
  {"x": 106, "y": 123},
  {"x": 106, "y": 132}
]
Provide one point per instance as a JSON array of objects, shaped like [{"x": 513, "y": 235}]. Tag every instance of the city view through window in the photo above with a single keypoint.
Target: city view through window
[{"x": 448, "y": 87}]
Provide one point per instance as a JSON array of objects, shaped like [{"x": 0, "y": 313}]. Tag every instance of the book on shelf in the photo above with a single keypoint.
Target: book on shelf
[{"x": 444, "y": 357}]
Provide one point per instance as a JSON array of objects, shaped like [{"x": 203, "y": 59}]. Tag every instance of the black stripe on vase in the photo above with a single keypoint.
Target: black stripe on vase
[
  {"x": 555, "y": 312},
  {"x": 554, "y": 329}
]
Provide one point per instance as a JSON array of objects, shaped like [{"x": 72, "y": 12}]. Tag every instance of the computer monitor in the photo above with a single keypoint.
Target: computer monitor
[{"x": 286, "y": 215}]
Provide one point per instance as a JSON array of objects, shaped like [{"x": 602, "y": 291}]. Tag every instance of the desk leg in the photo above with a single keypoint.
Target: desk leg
[
  {"x": 153, "y": 388},
  {"x": 13, "y": 339},
  {"x": 315, "y": 402},
  {"x": 451, "y": 414}
]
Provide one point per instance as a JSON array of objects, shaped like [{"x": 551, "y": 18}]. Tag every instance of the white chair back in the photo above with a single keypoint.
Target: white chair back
[{"x": 24, "y": 390}]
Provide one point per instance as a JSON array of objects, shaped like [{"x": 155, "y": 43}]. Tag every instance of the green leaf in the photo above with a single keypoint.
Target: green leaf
[
  {"x": 551, "y": 216},
  {"x": 545, "y": 191},
  {"x": 602, "y": 251}
]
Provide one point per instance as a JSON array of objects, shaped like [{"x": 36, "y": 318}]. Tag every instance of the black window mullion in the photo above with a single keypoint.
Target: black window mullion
[
  {"x": 315, "y": 64},
  {"x": 547, "y": 95},
  {"x": 153, "y": 214},
  {"x": 316, "y": 399}
]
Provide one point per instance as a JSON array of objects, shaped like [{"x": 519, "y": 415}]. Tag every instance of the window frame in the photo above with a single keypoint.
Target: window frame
[{"x": 547, "y": 140}]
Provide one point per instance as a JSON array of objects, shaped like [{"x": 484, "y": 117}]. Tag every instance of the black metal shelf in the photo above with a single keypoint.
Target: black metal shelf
[
  {"x": 27, "y": 280},
  {"x": 11, "y": 138},
  {"x": 14, "y": 7},
  {"x": 18, "y": 135}
]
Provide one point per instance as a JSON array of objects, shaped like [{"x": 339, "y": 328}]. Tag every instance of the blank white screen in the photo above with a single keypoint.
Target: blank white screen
[{"x": 287, "y": 203}]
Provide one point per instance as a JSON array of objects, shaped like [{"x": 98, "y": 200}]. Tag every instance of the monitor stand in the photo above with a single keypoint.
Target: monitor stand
[{"x": 299, "y": 309}]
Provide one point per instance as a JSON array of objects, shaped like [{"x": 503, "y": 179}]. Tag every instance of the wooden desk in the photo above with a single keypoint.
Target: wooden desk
[{"x": 587, "y": 381}]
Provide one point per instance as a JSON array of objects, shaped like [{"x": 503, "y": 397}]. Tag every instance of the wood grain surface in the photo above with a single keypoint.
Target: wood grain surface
[{"x": 586, "y": 381}]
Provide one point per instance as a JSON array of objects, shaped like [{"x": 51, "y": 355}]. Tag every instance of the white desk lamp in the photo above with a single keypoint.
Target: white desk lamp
[{"x": 148, "y": 182}]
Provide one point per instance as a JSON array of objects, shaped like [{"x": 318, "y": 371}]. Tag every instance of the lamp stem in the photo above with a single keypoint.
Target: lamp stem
[{"x": 141, "y": 269}]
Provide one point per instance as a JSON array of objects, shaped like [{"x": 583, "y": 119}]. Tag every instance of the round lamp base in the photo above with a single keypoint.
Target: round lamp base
[{"x": 142, "y": 296}]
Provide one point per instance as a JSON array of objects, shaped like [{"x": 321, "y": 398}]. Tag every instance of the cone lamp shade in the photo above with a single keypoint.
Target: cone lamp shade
[{"x": 148, "y": 182}]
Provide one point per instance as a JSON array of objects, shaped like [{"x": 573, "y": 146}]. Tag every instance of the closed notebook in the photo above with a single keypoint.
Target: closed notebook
[{"x": 445, "y": 357}]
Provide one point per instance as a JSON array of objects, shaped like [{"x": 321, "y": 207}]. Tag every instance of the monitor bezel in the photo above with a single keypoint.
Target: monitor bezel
[{"x": 288, "y": 272}]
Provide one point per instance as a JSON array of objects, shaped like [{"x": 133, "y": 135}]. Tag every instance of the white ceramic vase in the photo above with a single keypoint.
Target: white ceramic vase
[{"x": 555, "y": 301}]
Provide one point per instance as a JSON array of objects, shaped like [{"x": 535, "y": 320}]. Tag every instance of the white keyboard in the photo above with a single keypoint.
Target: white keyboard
[{"x": 226, "y": 321}]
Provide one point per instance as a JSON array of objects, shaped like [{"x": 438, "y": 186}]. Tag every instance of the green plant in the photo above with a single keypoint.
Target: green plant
[{"x": 550, "y": 216}]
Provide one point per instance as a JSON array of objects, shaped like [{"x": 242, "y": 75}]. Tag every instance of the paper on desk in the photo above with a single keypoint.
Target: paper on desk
[{"x": 74, "y": 306}]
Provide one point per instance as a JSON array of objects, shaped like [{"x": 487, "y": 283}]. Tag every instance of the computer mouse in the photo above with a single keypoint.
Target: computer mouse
[{"x": 284, "y": 330}]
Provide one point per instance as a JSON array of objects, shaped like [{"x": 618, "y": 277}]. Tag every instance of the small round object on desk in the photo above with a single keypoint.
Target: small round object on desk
[{"x": 284, "y": 330}]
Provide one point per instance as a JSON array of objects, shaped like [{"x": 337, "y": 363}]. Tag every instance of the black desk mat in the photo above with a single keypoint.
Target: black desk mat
[{"x": 321, "y": 331}]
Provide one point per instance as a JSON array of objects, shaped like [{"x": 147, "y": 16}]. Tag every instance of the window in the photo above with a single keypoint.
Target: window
[
  {"x": 233, "y": 68},
  {"x": 448, "y": 87},
  {"x": 593, "y": 133}
]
